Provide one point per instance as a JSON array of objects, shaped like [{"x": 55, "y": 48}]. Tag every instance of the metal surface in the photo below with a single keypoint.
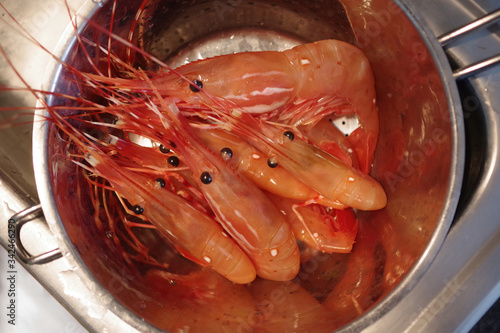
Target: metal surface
[
  {"x": 464, "y": 280},
  {"x": 451, "y": 37},
  {"x": 448, "y": 298},
  {"x": 19, "y": 220}
]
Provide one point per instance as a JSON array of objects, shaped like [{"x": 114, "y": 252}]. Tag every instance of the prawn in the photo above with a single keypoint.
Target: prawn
[
  {"x": 252, "y": 163},
  {"x": 325, "y": 229},
  {"x": 194, "y": 234},
  {"x": 298, "y": 86},
  {"x": 258, "y": 227}
]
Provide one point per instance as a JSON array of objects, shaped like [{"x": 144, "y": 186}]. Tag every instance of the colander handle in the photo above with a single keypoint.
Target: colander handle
[
  {"x": 19, "y": 220},
  {"x": 450, "y": 37}
]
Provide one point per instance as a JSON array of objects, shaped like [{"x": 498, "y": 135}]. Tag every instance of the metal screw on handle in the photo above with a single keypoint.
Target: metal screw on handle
[
  {"x": 481, "y": 23},
  {"x": 23, "y": 255}
]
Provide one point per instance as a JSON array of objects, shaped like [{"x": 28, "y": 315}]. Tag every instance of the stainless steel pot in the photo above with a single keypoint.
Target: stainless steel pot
[{"x": 419, "y": 158}]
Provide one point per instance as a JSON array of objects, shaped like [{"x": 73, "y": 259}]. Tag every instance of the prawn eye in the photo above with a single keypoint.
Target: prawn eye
[
  {"x": 196, "y": 85},
  {"x": 138, "y": 209},
  {"x": 164, "y": 149},
  {"x": 226, "y": 153},
  {"x": 272, "y": 162},
  {"x": 290, "y": 135},
  {"x": 161, "y": 181},
  {"x": 173, "y": 161},
  {"x": 206, "y": 178}
]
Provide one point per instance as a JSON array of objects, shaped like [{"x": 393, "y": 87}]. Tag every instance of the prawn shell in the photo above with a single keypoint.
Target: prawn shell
[
  {"x": 235, "y": 78},
  {"x": 333, "y": 232},
  {"x": 331, "y": 178},
  {"x": 253, "y": 164},
  {"x": 194, "y": 233}
]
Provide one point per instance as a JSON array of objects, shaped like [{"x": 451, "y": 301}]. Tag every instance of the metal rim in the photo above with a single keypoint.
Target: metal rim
[{"x": 453, "y": 194}]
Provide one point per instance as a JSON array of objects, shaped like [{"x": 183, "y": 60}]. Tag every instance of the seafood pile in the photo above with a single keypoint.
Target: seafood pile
[
  {"x": 233, "y": 161},
  {"x": 237, "y": 166},
  {"x": 241, "y": 157}
]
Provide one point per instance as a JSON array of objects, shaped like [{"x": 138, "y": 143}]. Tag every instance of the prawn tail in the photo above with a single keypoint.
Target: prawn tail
[
  {"x": 323, "y": 228},
  {"x": 364, "y": 144}
]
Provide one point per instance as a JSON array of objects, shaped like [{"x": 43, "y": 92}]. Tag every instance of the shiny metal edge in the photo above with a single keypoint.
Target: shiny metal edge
[
  {"x": 481, "y": 23},
  {"x": 456, "y": 171},
  {"x": 464, "y": 279},
  {"x": 19, "y": 220}
]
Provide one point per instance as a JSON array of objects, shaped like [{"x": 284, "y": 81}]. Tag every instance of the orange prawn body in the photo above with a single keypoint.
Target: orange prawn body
[
  {"x": 297, "y": 86},
  {"x": 349, "y": 186},
  {"x": 254, "y": 165},
  {"x": 268, "y": 81},
  {"x": 257, "y": 82},
  {"x": 195, "y": 234},
  {"x": 255, "y": 224}
]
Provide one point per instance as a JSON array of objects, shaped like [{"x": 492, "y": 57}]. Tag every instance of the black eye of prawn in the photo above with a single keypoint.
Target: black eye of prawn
[
  {"x": 226, "y": 153},
  {"x": 164, "y": 149},
  {"x": 206, "y": 178},
  {"x": 161, "y": 181},
  {"x": 173, "y": 161},
  {"x": 272, "y": 162},
  {"x": 289, "y": 135},
  {"x": 196, "y": 85},
  {"x": 138, "y": 209}
]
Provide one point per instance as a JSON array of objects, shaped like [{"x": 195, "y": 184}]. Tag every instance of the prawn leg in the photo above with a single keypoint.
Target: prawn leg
[{"x": 322, "y": 228}]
